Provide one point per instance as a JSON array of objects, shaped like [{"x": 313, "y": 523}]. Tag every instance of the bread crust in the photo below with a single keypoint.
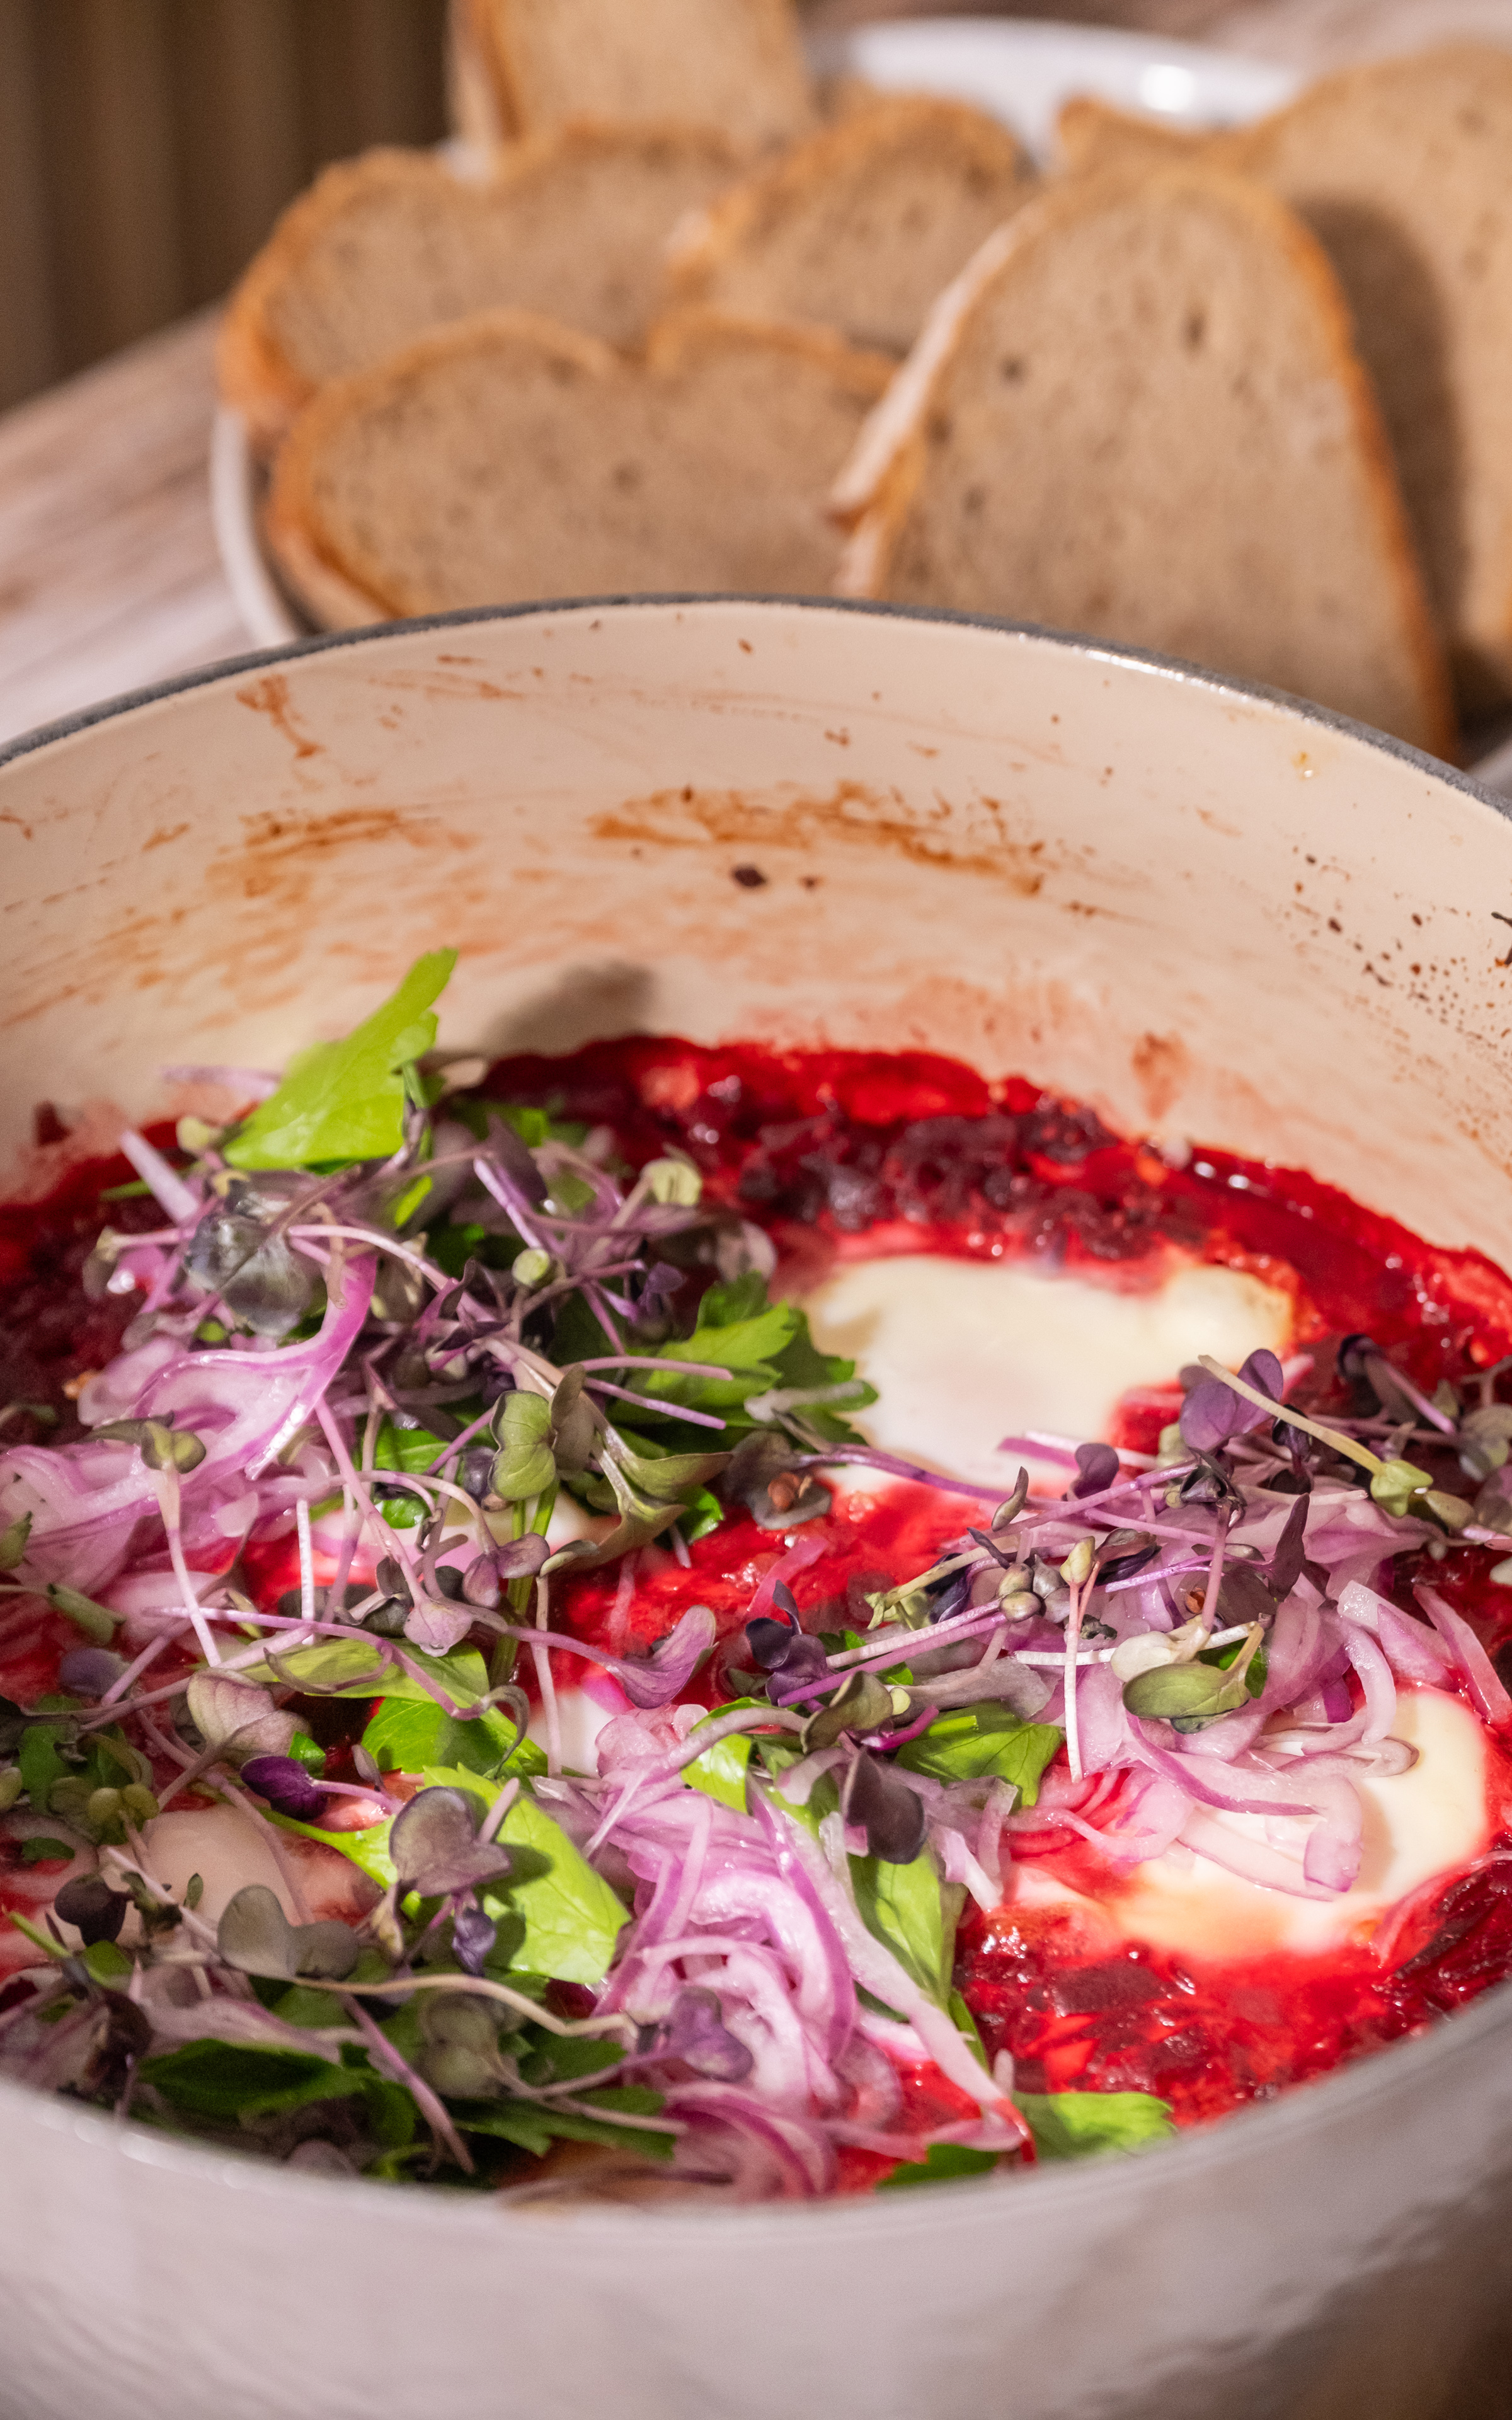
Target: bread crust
[
  {"x": 680, "y": 335},
  {"x": 489, "y": 60},
  {"x": 256, "y": 376},
  {"x": 1091, "y": 134},
  {"x": 341, "y": 591},
  {"x": 875, "y": 490},
  {"x": 744, "y": 214}
]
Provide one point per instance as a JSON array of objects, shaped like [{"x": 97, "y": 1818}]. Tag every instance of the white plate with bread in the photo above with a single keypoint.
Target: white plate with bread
[
  {"x": 1017, "y": 74},
  {"x": 1054, "y": 324}
]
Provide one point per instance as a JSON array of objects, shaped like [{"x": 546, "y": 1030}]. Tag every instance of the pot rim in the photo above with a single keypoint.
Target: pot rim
[
  {"x": 1393, "y": 2072},
  {"x": 1072, "y": 641}
]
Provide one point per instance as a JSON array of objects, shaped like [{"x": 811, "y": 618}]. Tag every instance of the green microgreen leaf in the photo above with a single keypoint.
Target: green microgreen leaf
[
  {"x": 96, "y": 1621},
  {"x": 345, "y": 1100},
  {"x": 13, "y": 1541},
  {"x": 535, "y": 2125},
  {"x": 525, "y": 1464},
  {"x": 1088, "y": 2125},
  {"x": 42, "y": 1767},
  {"x": 354, "y": 1667},
  {"x": 39, "y": 1850}
]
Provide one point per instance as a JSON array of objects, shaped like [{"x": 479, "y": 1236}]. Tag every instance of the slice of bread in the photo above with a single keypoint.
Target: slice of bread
[
  {"x": 384, "y": 247},
  {"x": 1401, "y": 168},
  {"x": 1092, "y": 134},
  {"x": 1403, "y": 171},
  {"x": 525, "y": 65},
  {"x": 860, "y": 227},
  {"x": 1138, "y": 414},
  {"x": 508, "y": 457}
]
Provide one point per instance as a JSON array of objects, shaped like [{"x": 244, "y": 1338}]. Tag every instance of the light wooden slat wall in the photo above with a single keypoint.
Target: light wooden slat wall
[{"x": 145, "y": 147}]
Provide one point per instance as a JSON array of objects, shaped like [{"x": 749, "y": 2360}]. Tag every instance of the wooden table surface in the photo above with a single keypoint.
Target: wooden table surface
[{"x": 109, "y": 577}]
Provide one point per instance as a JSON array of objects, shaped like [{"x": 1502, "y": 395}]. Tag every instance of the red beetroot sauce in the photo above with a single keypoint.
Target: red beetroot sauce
[{"x": 843, "y": 1154}]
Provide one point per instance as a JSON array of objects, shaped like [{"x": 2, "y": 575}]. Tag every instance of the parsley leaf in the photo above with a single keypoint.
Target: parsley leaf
[
  {"x": 240, "y": 2079},
  {"x": 345, "y": 1100},
  {"x": 1088, "y": 2125}
]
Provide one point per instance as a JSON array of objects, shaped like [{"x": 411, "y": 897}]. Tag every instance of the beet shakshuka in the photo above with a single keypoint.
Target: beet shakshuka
[{"x": 731, "y": 1624}]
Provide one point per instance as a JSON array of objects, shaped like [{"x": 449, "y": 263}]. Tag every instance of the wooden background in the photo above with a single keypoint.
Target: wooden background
[{"x": 145, "y": 147}]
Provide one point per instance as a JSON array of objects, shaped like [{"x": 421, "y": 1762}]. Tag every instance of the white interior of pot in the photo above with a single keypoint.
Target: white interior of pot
[{"x": 1210, "y": 914}]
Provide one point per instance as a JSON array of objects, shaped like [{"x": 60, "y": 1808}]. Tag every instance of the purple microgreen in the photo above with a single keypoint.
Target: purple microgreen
[
  {"x": 256, "y": 1937},
  {"x": 473, "y": 1936},
  {"x": 861, "y": 1703},
  {"x": 673, "y": 1660},
  {"x": 768, "y": 1477},
  {"x": 96, "y": 1912},
  {"x": 288, "y": 1790},
  {"x": 875, "y": 1797},
  {"x": 1097, "y": 1468},
  {"x": 435, "y": 1846},
  {"x": 696, "y": 2033},
  {"x": 89, "y": 1671}
]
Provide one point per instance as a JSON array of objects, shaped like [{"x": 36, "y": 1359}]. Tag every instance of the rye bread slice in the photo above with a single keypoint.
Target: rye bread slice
[
  {"x": 1092, "y": 134},
  {"x": 508, "y": 457},
  {"x": 1402, "y": 168},
  {"x": 860, "y": 227},
  {"x": 1137, "y": 413},
  {"x": 1403, "y": 171},
  {"x": 521, "y": 66},
  {"x": 384, "y": 247}
]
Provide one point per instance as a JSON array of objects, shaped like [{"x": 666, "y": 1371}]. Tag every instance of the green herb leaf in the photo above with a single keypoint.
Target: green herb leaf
[
  {"x": 534, "y": 2125},
  {"x": 983, "y": 1743},
  {"x": 406, "y": 1734},
  {"x": 13, "y": 1541},
  {"x": 942, "y": 2162},
  {"x": 1087, "y": 2125},
  {"x": 239, "y": 2080},
  {"x": 345, "y": 1100},
  {"x": 914, "y": 1913},
  {"x": 572, "y": 1918},
  {"x": 406, "y": 1449},
  {"x": 720, "y": 1771}
]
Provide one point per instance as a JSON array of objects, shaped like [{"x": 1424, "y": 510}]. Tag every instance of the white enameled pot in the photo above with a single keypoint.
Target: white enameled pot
[{"x": 1207, "y": 909}]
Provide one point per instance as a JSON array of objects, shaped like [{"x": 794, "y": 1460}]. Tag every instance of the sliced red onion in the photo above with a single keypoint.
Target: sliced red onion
[
  {"x": 802, "y": 1552},
  {"x": 1332, "y": 1857},
  {"x": 1375, "y": 1680},
  {"x": 1255, "y": 1791},
  {"x": 771, "y": 2155},
  {"x": 1475, "y": 1665},
  {"x": 1414, "y": 1652},
  {"x": 1256, "y": 1860}
]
